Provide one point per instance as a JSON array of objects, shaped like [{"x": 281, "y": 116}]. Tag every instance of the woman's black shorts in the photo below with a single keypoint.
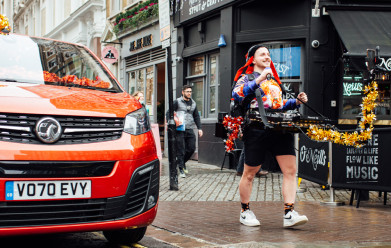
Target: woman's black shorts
[{"x": 258, "y": 141}]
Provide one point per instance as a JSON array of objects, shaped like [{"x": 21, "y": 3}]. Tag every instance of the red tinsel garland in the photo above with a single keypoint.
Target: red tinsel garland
[{"x": 233, "y": 125}]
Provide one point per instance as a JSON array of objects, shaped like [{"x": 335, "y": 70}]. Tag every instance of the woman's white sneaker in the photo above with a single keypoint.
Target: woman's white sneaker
[
  {"x": 248, "y": 218},
  {"x": 292, "y": 218}
]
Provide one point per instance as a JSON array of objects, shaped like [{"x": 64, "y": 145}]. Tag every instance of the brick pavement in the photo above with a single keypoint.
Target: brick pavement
[
  {"x": 205, "y": 213},
  {"x": 209, "y": 183}
]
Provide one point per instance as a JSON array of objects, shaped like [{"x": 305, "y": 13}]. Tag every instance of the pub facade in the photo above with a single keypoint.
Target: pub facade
[{"x": 318, "y": 47}]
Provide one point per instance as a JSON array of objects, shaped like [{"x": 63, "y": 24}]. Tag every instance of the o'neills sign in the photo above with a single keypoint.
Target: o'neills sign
[
  {"x": 141, "y": 43},
  {"x": 193, "y": 8},
  {"x": 313, "y": 160}
]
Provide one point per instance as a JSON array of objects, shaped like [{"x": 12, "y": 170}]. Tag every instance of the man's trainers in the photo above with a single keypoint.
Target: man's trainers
[
  {"x": 292, "y": 218},
  {"x": 185, "y": 171},
  {"x": 248, "y": 218},
  {"x": 182, "y": 173}
]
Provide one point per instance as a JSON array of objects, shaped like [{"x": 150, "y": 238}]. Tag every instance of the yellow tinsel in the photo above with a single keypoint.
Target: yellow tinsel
[
  {"x": 4, "y": 24},
  {"x": 356, "y": 138}
]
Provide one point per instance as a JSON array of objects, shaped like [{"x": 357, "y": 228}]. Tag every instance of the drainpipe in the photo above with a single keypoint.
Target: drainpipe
[{"x": 316, "y": 10}]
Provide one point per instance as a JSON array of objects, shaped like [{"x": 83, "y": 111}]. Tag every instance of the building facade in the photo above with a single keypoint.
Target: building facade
[
  {"x": 7, "y": 9},
  {"x": 318, "y": 47},
  {"x": 133, "y": 29},
  {"x": 77, "y": 21}
]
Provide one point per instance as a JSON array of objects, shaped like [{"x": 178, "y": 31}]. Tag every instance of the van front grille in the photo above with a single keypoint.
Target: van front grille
[
  {"x": 76, "y": 129},
  {"x": 55, "y": 169}
]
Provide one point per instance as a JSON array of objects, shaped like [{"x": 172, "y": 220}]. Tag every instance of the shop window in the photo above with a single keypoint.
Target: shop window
[
  {"x": 353, "y": 84},
  {"x": 203, "y": 76},
  {"x": 213, "y": 84},
  {"x": 142, "y": 80},
  {"x": 136, "y": 81},
  {"x": 197, "y": 66},
  {"x": 132, "y": 82},
  {"x": 287, "y": 59},
  {"x": 198, "y": 95},
  {"x": 149, "y": 89}
]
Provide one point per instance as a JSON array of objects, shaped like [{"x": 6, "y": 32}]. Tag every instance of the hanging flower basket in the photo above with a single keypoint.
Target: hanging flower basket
[{"x": 136, "y": 16}]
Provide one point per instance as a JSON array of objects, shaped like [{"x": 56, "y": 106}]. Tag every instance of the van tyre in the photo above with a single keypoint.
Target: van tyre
[{"x": 125, "y": 237}]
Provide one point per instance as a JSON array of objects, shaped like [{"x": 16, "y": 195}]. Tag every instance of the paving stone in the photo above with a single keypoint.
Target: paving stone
[{"x": 206, "y": 208}]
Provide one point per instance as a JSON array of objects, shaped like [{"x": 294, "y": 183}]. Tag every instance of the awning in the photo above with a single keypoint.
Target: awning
[{"x": 361, "y": 30}]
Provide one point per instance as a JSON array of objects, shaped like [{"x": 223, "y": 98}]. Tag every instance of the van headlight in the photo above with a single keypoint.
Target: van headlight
[{"x": 137, "y": 122}]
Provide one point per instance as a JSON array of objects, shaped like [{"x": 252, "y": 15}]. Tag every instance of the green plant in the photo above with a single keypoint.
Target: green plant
[{"x": 136, "y": 16}]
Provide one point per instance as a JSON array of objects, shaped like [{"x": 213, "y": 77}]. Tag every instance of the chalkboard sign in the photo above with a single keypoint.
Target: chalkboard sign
[
  {"x": 313, "y": 160},
  {"x": 366, "y": 168}
]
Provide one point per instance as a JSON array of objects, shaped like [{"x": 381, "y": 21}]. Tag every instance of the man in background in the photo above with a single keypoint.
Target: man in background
[{"x": 185, "y": 108}]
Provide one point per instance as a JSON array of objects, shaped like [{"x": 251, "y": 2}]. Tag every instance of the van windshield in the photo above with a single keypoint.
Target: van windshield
[{"x": 39, "y": 61}]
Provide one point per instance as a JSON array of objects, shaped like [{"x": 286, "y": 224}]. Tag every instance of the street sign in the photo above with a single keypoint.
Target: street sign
[
  {"x": 109, "y": 54},
  {"x": 164, "y": 19}
]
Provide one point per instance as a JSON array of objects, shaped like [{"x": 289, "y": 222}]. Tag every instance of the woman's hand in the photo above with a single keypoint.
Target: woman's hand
[{"x": 301, "y": 98}]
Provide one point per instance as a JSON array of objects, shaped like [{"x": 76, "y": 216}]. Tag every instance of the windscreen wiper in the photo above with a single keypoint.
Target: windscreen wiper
[{"x": 8, "y": 80}]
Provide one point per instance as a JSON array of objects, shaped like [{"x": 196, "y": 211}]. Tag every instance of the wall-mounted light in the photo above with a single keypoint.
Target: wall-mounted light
[{"x": 222, "y": 42}]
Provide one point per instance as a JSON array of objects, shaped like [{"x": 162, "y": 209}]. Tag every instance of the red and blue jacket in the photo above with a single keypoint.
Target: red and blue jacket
[{"x": 270, "y": 90}]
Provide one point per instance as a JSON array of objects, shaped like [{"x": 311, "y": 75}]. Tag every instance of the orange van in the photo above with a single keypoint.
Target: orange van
[{"x": 76, "y": 151}]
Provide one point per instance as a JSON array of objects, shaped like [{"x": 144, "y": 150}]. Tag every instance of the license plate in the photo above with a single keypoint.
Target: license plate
[{"x": 43, "y": 190}]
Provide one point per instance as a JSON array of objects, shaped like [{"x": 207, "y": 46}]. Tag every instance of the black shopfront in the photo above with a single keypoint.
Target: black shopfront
[{"x": 312, "y": 46}]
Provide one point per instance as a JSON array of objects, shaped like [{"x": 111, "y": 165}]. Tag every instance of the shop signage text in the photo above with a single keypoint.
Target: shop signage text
[
  {"x": 281, "y": 68},
  {"x": 287, "y": 61},
  {"x": 313, "y": 156},
  {"x": 386, "y": 63},
  {"x": 141, "y": 43},
  {"x": 193, "y": 8},
  {"x": 199, "y": 5},
  {"x": 289, "y": 89},
  {"x": 361, "y": 163},
  {"x": 352, "y": 88},
  {"x": 313, "y": 160}
]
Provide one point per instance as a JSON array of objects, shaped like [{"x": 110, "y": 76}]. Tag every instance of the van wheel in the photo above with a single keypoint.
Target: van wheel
[{"x": 125, "y": 237}]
